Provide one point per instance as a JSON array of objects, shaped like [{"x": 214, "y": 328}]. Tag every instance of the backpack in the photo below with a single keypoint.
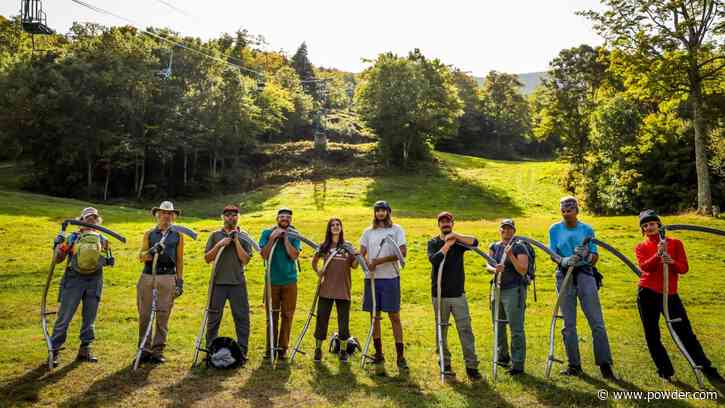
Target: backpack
[
  {"x": 531, "y": 271},
  {"x": 87, "y": 250}
]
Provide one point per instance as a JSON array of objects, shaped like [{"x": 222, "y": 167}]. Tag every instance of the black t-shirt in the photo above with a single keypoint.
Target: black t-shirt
[
  {"x": 454, "y": 277},
  {"x": 510, "y": 278}
]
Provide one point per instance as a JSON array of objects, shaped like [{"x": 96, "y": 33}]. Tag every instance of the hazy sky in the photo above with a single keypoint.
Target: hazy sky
[{"x": 514, "y": 36}]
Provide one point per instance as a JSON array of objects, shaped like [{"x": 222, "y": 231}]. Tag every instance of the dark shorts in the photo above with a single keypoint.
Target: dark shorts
[{"x": 387, "y": 295}]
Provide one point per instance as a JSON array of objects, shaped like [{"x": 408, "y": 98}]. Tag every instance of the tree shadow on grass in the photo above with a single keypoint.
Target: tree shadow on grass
[
  {"x": 430, "y": 191},
  {"x": 111, "y": 389},
  {"x": 197, "y": 385},
  {"x": 264, "y": 385},
  {"x": 25, "y": 389}
]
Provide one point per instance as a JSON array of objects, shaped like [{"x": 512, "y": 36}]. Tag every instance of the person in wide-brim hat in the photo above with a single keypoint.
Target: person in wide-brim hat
[{"x": 167, "y": 206}]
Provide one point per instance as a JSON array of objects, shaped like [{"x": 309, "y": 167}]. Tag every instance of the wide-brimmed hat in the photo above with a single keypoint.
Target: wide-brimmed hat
[
  {"x": 165, "y": 206},
  {"x": 86, "y": 212}
]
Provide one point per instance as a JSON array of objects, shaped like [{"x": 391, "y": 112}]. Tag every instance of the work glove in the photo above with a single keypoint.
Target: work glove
[
  {"x": 156, "y": 248},
  {"x": 58, "y": 240},
  {"x": 569, "y": 261},
  {"x": 581, "y": 251},
  {"x": 179, "y": 287}
]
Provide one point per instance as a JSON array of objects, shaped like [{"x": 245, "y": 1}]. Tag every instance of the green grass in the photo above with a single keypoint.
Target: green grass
[{"x": 477, "y": 191}]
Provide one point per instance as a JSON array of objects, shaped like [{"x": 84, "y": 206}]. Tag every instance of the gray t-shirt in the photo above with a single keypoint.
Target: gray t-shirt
[{"x": 229, "y": 270}]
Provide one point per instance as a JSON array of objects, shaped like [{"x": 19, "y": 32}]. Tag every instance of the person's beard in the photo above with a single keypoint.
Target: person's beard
[
  {"x": 446, "y": 230},
  {"x": 230, "y": 224},
  {"x": 280, "y": 224}
]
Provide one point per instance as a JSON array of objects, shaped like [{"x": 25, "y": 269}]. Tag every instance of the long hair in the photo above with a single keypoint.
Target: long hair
[
  {"x": 327, "y": 243},
  {"x": 387, "y": 222}
]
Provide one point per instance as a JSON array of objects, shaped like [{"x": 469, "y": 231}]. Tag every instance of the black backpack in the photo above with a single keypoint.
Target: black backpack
[{"x": 498, "y": 248}]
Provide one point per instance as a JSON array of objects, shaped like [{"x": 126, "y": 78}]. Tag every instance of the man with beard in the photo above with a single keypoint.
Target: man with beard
[
  {"x": 283, "y": 271},
  {"x": 384, "y": 264},
  {"x": 453, "y": 296},
  {"x": 229, "y": 282}
]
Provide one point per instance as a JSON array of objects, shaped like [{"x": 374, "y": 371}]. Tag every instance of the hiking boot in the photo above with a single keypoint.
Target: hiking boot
[
  {"x": 473, "y": 374},
  {"x": 448, "y": 371},
  {"x": 572, "y": 370},
  {"x": 56, "y": 358},
  {"x": 344, "y": 357},
  {"x": 318, "y": 355},
  {"x": 607, "y": 372},
  {"x": 712, "y": 375},
  {"x": 84, "y": 354},
  {"x": 378, "y": 358},
  {"x": 402, "y": 364},
  {"x": 157, "y": 359},
  {"x": 145, "y": 357},
  {"x": 281, "y": 355},
  {"x": 505, "y": 363},
  {"x": 515, "y": 371},
  {"x": 266, "y": 354}
]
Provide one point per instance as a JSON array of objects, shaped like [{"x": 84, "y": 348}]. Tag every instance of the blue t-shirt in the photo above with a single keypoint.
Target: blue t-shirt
[
  {"x": 283, "y": 268},
  {"x": 563, "y": 239}
]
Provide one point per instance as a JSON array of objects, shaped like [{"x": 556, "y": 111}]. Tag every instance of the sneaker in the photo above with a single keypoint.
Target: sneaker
[
  {"x": 448, "y": 371},
  {"x": 607, "y": 372},
  {"x": 473, "y": 374},
  {"x": 515, "y": 371},
  {"x": 344, "y": 357},
  {"x": 712, "y": 375},
  {"x": 572, "y": 370},
  {"x": 402, "y": 364},
  {"x": 318, "y": 355},
  {"x": 157, "y": 359},
  {"x": 85, "y": 354}
]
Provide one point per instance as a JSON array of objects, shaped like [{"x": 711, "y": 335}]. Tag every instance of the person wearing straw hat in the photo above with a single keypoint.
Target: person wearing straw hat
[
  {"x": 88, "y": 252},
  {"x": 169, "y": 278},
  {"x": 229, "y": 281}
]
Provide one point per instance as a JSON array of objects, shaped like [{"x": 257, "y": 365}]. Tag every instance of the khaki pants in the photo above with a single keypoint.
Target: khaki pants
[
  {"x": 166, "y": 285},
  {"x": 458, "y": 307},
  {"x": 284, "y": 300}
]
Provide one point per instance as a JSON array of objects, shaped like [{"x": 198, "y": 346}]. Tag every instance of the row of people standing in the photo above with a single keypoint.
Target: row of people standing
[{"x": 565, "y": 238}]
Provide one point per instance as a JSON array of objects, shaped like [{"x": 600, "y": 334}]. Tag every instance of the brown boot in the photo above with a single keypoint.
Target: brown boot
[{"x": 85, "y": 354}]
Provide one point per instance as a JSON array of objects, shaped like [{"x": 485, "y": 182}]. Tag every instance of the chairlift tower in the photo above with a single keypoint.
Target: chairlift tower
[{"x": 33, "y": 17}]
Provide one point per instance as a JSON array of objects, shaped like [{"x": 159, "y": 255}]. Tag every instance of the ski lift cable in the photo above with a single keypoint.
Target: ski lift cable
[
  {"x": 175, "y": 8},
  {"x": 179, "y": 44}
]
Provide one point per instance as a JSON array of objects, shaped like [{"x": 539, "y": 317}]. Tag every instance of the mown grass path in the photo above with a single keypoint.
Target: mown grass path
[{"x": 477, "y": 191}]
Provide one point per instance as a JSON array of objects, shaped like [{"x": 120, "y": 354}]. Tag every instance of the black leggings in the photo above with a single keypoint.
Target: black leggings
[
  {"x": 324, "y": 309},
  {"x": 650, "y": 308}
]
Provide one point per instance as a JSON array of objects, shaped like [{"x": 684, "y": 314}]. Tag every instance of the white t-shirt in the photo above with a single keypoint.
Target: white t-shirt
[{"x": 371, "y": 239}]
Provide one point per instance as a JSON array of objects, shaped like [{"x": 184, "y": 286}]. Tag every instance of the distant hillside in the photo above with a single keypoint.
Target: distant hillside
[{"x": 530, "y": 80}]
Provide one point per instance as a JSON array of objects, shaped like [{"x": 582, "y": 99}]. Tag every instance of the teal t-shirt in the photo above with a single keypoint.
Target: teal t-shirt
[{"x": 283, "y": 268}]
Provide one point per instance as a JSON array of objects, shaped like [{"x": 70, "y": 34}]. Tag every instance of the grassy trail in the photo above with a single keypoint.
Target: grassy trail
[{"x": 477, "y": 191}]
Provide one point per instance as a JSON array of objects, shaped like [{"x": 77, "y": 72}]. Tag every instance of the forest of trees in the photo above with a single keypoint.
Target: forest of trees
[{"x": 111, "y": 112}]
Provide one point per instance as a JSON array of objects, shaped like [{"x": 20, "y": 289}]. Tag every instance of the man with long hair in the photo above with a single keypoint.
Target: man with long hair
[
  {"x": 383, "y": 263},
  {"x": 336, "y": 286},
  {"x": 283, "y": 270}
]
